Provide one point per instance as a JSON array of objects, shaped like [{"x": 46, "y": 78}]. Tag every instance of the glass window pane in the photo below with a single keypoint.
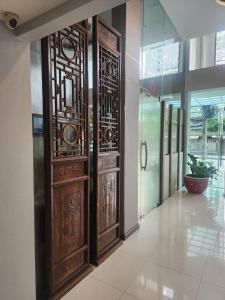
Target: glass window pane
[
  {"x": 160, "y": 59},
  {"x": 220, "y": 48}
]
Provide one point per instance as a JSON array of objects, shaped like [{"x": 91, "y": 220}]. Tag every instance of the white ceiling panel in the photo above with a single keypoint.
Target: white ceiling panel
[{"x": 194, "y": 18}]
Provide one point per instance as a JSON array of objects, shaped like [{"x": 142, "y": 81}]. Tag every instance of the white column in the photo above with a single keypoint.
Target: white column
[
  {"x": 133, "y": 10},
  {"x": 17, "y": 260},
  {"x": 208, "y": 50}
]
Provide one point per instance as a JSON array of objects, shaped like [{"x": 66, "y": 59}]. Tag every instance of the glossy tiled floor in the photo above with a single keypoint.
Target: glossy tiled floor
[{"x": 178, "y": 253}]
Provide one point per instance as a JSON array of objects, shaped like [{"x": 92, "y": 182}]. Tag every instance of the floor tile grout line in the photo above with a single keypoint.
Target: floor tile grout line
[
  {"x": 178, "y": 273},
  {"x": 200, "y": 282},
  {"x": 202, "y": 277},
  {"x": 129, "y": 282},
  {"x": 106, "y": 283},
  {"x": 169, "y": 268},
  {"x": 125, "y": 293},
  {"x": 213, "y": 284}
]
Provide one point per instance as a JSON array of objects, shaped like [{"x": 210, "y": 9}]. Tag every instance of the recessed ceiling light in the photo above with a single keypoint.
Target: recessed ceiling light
[{"x": 221, "y": 2}]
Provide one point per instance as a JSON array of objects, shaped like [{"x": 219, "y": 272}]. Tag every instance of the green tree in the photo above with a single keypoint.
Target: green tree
[
  {"x": 213, "y": 125},
  {"x": 208, "y": 113}
]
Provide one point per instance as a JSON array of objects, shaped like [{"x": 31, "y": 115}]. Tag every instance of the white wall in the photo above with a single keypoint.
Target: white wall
[
  {"x": 202, "y": 52},
  {"x": 131, "y": 113},
  {"x": 209, "y": 50},
  {"x": 205, "y": 79},
  {"x": 36, "y": 77},
  {"x": 17, "y": 275}
]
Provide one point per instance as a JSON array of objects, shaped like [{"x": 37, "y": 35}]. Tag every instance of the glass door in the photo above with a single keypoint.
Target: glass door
[
  {"x": 173, "y": 149},
  {"x": 159, "y": 57},
  {"x": 206, "y": 129},
  {"x": 149, "y": 171}
]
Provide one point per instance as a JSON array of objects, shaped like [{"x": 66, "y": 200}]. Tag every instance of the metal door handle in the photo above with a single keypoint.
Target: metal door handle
[{"x": 146, "y": 155}]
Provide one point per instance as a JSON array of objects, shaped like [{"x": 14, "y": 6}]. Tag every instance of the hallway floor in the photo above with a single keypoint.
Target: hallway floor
[{"x": 178, "y": 253}]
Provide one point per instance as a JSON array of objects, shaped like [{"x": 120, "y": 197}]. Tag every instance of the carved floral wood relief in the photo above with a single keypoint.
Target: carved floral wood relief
[
  {"x": 70, "y": 218},
  {"x": 107, "y": 200}
]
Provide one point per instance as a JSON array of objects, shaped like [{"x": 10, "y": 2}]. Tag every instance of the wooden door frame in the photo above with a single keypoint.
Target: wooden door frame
[
  {"x": 162, "y": 149},
  {"x": 170, "y": 143},
  {"x": 180, "y": 144},
  {"x": 120, "y": 12}
]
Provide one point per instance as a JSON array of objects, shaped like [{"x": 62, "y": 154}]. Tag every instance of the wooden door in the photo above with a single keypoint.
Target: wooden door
[
  {"x": 105, "y": 215},
  {"x": 180, "y": 148},
  {"x": 65, "y": 98},
  {"x": 165, "y": 152},
  {"x": 173, "y": 149}
]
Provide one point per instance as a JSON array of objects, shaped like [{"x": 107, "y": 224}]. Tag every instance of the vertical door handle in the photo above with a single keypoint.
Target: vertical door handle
[{"x": 144, "y": 144}]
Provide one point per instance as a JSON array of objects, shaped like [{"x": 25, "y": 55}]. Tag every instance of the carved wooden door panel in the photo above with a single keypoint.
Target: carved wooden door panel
[
  {"x": 65, "y": 97},
  {"x": 106, "y": 105}
]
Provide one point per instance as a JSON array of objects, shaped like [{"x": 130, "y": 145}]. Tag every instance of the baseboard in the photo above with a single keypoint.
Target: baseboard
[{"x": 130, "y": 232}]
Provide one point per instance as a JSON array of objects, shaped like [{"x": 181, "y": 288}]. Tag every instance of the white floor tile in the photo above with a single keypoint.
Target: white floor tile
[
  {"x": 140, "y": 246},
  {"x": 183, "y": 257},
  {"x": 178, "y": 244},
  {"x": 210, "y": 292},
  {"x": 156, "y": 283},
  {"x": 119, "y": 270},
  {"x": 128, "y": 297},
  {"x": 215, "y": 271},
  {"x": 92, "y": 289}
]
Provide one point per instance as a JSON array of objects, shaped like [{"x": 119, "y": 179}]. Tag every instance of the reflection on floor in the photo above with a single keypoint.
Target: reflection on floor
[{"x": 178, "y": 253}]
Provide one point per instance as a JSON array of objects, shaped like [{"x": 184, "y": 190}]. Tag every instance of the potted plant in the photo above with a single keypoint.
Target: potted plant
[{"x": 197, "y": 181}]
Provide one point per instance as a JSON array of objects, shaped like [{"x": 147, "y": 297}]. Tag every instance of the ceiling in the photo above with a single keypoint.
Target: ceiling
[
  {"x": 29, "y": 9},
  {"x": 157, "y": 26},
  {"x": 194, "y": 18},
  {"x": 208, "y": 97}
]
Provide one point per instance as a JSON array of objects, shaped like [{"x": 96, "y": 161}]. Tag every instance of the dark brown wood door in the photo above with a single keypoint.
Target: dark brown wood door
[
  {"x": 180, "y": 148},
  {"x": 65, "y": 74},
  {"x": 105, "y": 235},
  {"x": 174, "y": 139},
  {"x": 165, "y": 151}
]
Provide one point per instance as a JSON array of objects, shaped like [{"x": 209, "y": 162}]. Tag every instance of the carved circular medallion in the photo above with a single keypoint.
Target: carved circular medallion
[
  {"x": 68, "y": 48},
  {"x": 109, "y": 69},
  {"x": 70, "y": 134},
  {"x": 108, "y": 135}
]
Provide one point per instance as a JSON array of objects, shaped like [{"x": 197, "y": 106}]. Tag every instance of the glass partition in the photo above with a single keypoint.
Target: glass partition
[
  {"x": 161, "y": 58},
  {"x": 220, "y": 48},
  {"x": 206, "y": 131},
  {"x": 161, "y": 52}
]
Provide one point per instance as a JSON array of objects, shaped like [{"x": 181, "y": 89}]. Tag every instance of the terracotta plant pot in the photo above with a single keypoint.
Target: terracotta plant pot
[{"x": 195, "y": 185}]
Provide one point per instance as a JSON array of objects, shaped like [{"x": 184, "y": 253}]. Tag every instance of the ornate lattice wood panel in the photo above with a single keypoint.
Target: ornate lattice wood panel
[
  {"x": 69, "y": 92},
  {"x": 106, "y": 103},
  {"x": 64, "y": 64},
  {"x": 109, "y": 104}
]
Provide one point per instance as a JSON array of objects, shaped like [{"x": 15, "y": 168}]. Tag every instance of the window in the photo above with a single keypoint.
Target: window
[
  {"x": 160, "y": 59},
  {"x": 220, "y": 48}
]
